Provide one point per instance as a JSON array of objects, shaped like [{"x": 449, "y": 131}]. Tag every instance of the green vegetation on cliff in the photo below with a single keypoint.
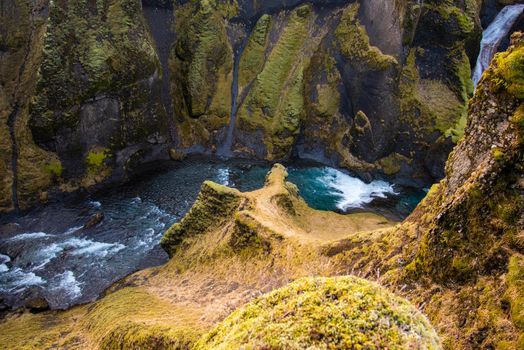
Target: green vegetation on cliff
[
  {"x": 202, "y": 64},
  {"x": 324, "y": 313},
  {"x": 214, "y": 205},
  {"x": 354, "y": 42},
  {"x": 275, "y": 103},
  {"x": 254, "y": 54},
  {"x": 90, "y": 50}
]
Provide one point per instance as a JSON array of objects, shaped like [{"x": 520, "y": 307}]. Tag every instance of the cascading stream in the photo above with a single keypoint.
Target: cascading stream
[
  {"x": 492, "y": 37},
  {"x": 225, "y": 149}
]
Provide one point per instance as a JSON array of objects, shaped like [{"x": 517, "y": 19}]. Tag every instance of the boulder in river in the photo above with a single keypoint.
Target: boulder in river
[
  {"x": 37, "y": 304},
  {"x": 94, "y": 220}
]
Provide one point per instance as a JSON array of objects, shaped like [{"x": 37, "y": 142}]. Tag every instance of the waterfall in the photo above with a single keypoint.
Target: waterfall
[
  {"x": 493, "y": 35},
  {"x": 225, "y": 149}
]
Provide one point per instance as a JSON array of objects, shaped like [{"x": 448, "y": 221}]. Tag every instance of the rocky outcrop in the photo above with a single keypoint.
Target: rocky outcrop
[{"x": 354, "y": 85}]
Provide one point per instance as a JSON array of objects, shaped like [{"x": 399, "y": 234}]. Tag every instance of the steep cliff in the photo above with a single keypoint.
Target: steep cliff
[
  {"x": 353, "y": 85},
  {"x": 25, "y": 168},
  {"x": 80, "y": 96},
  {"x": 85, "y": 98}
]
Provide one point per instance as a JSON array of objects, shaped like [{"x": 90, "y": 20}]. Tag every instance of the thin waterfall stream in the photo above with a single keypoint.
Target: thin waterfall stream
[
  {"x": 493, "y": 35},
  {"x": 225, "y": 148}
]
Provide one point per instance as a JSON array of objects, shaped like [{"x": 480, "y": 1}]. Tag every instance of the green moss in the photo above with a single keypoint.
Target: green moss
[
  {"x": 54, "y": 168},
  {"x": 326, "y": 313},
  {"x": 392, "y": 164},
  {"x": 509, "y": 69},
  {"x": 203, "y": 61},
  {"x": 95, "y": 160},
  {"x": 452, "y": 14},
  {"x": 111, "y": 50},
  {"x": 253, "y": 56},
  {"x": 275, "y": 102},
  {"x": 328, "y": 99},
  {"x": 497, "y": 153},
  {"x": 430, "y": 105}
]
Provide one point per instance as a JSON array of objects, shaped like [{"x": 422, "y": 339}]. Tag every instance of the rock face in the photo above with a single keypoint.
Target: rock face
[
  {"x": 23, "y": 166},
  {"x": 353, "y": 85},
  {"x": 481, "y": 196},
  {"x": 80, "y": 96},
  {"x": 462, "y": 247}
]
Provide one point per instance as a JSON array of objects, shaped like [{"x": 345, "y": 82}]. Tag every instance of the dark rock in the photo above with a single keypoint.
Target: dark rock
[
  {"x": 176, "y": 155},
  {"x": 37, "y": 304},
  {"x": 94, "y": 220}
]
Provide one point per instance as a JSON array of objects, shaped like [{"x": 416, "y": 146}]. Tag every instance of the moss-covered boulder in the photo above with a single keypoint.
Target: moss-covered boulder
[{"x": 324, "y": 313}]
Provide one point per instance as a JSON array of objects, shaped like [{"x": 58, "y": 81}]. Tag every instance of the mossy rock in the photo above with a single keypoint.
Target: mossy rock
[
  {"x": 509, "y": 68},
  {"x": 275, "y": 101},
  {"x": 324, "y": 313},
  {"x": 354, "y": 42},
  {"x": 214, "y": 205}
]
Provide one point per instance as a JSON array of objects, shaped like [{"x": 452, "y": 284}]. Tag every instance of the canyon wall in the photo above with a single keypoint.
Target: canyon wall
[
  {"x": 80, "y": 96},
  {"x": 353, "y": 84},
  {"x": 378, "y": 87}
]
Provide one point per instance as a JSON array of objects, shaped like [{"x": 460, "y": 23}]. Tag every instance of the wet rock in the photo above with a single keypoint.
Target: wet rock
[
  {"x": 3, "y": 305},
  {"x": 156, "y": 138},
  {"x": 176, "y": 155},
  {"x": 37, "y": 304},
  {"x": 94, "y": 220}
]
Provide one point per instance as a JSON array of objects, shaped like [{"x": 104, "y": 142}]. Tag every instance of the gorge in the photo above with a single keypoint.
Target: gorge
[{"x": 142, "y": 198}]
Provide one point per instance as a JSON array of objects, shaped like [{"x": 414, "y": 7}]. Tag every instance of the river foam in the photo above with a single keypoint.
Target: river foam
[{"x": 353, "y": 192}]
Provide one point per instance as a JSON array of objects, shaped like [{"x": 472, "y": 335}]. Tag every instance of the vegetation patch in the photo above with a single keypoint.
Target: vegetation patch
[{"x": 324, "y": 313}]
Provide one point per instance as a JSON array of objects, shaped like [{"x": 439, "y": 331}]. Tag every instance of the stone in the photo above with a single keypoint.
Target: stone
[
  {"x": 37, "y": 304},
  {"x": 94, "y": 220},
  {"x": 176, "y": 155}
]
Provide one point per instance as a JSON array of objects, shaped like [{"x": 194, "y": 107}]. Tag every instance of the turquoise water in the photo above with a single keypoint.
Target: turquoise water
[{"x": 325, "y": 188}]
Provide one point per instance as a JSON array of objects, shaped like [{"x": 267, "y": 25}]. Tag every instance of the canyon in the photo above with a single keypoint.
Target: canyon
[{"x": 145, "y": 205}]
